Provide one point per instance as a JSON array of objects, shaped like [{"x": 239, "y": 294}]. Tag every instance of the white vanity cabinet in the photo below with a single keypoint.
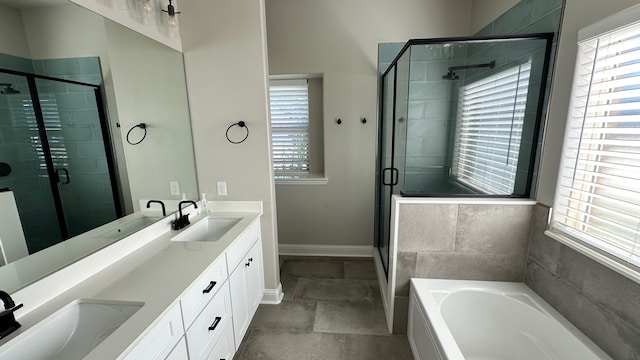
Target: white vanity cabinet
[
  {"x": 210, "y": 318},
  {"x": 246, "y": 281},
  {"x": 179, "y": 352},
  {"x": 159, "y": 342}
]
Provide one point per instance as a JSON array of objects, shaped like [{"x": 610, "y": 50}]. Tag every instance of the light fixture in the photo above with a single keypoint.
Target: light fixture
[
  {"x": 171, "y": 20},
  {"x": 171, "y": 11},
  {"x": 147, "y": 7},
  {"x": 146, "y": 10}
]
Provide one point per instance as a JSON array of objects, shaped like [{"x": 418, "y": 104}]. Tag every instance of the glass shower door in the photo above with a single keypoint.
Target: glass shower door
[
  {"x": 76, "y": 137},
  {"x": 385, "y": 169},
  {"x": 22, "y": 151}
]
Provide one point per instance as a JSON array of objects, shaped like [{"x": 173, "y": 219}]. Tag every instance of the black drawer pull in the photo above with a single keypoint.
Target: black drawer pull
[
  {"x": 209, "y": 287},
  {"x": 250, "y": 259},
  {"x": 247, "y": 264},
  {"x": 215, "y": 323}
]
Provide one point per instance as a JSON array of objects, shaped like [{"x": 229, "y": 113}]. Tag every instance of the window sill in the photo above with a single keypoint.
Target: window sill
[
  {"x": 625, "y": 269},
  {"x": 303, "y": 181}
]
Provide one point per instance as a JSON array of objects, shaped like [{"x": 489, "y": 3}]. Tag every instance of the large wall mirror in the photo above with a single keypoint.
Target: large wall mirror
[{"x": 72, "y": 86}]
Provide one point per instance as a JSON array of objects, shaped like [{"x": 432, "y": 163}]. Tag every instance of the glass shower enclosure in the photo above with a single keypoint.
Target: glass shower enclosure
[
  {"x": 459, "y": 117},
  {"x": 55, "y": 150}
]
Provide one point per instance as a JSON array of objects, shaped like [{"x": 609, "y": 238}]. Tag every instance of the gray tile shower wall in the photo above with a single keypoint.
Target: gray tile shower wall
[
  {"x": 603, "y": 304},
  {"x": 459, "y": 241}
]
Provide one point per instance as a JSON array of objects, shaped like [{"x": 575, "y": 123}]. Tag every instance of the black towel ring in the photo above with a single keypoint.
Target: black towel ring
[
  {"x": 241, "y": 124},
  {"x": 142, "y": 126}
]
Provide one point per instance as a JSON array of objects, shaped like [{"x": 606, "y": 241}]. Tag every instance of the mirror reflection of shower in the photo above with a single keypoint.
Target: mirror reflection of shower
[
  {"x": 451, "y": 75},
  {"x": 8, "y": 89}
]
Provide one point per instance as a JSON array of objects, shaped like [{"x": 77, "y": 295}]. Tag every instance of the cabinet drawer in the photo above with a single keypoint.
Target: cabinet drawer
[
  {"x": 179, "y": 352},
  {"x": 158, "y": 342},
  {"x": 239, "y": 247},
  {"x": 225, "y": 348},
  {"x": 203, "y": 290},
  {"x": 209, "y": 325}
]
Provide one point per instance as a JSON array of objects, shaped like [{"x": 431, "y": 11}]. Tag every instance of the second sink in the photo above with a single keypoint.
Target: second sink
[{"x": 210, "y": 229}]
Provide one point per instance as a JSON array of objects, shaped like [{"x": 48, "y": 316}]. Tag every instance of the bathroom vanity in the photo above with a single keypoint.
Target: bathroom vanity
[{"x": 187, "y": 294}]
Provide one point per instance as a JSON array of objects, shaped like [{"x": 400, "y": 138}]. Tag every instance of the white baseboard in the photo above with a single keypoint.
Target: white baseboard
[
  {"x": 325, "y": 250},
  {"x": 272, "y": 296}
]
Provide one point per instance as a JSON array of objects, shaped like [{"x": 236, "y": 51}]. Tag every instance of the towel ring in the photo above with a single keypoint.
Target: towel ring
[
  {"x": 241, "y": 124},
  {"x": 142, "y": 126}
]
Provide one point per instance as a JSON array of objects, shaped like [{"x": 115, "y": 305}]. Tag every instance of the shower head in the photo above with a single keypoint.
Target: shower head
[
  {"x": 451, "y": 75},
  {"x": 8, "y": 89}
]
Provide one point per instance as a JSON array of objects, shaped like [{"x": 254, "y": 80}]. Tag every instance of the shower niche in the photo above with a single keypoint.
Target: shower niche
[{"x": 460, "y": 117}]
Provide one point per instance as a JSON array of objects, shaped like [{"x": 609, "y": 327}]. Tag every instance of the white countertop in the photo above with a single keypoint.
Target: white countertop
[{"x": 157, "y": 274}]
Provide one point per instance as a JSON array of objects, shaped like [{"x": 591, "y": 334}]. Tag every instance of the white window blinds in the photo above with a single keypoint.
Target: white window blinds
[
  {"x": 489, "y": 130},
  {"x": 598, "y": 196},
  {"x": 289, "y": 101}
]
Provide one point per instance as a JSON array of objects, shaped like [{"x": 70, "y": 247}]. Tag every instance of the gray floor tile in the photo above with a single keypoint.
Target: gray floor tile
[
  {"x": 288, "y": 286},
  {"x": 367, "y": 347},
  {"x": 313, "y": 269},
  {"x": 338, "y": 290},
  {"x": 350, "y": 318},
  {"x": 294, "y": 315},
  {"x": 289, "y": 345},
  {"x": 365, "y": 270}
]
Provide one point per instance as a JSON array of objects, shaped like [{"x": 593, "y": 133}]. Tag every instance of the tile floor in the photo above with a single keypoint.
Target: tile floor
[{"x": 331, "y": 310}]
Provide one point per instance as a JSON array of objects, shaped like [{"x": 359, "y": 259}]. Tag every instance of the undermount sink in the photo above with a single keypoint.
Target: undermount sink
[
  {"x": 210, "y": 229},
  {"x": 71, "y": 332},
  {"x": 129, "y": 227}
]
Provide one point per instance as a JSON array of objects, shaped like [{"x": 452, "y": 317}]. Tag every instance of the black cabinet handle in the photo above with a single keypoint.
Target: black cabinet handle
[
  {"x": 215, "y": 323},
  {"x": 250, "y": 259},
  {"x": 209, "y": 287},
  {"x": 247, "y": 264}
]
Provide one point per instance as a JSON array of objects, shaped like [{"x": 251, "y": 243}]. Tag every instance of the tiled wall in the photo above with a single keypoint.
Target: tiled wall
[
  {"x": 28, "y": 179},
  {"x": 603, "y": 304},
  {"x": 459, "y": 241},
  {"x": 74, "y": 132},
  {"x": 527, "y": 17}
]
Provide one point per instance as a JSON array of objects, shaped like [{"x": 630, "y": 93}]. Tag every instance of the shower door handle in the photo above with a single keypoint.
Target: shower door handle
[
  {"x": 66, "y": 174},
  {"x": 394, "y": 176}
]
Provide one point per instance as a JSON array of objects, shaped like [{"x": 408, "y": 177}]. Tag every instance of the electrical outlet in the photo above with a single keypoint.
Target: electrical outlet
[
  {"x": 175, "y": 187},
  {"x": 222, "y": 188}
]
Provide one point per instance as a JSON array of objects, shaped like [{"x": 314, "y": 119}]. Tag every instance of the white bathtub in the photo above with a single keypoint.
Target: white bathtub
[{"x": 483, "y": 320}]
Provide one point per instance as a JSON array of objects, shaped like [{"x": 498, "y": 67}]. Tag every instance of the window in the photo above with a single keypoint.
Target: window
[
  {"x": 289, "y": 100},
  {"x": 489, "y": 130},
  {"x": 597, "y": 201}
]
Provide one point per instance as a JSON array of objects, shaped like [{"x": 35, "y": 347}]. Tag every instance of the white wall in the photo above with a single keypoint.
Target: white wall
[
  {"x": 149, "y": 86},
  {"x": 340, "y": 39},
  {"x": 13, "y": 40},
  {"x": 224, "y": 44},
  {"x": 577, "y": 14},
  {"x": 484, "y": 12}
]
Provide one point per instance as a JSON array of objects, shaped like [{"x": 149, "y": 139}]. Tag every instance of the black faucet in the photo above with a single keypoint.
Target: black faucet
[
  {"x": 164, "y": 211},
  {"x": 8, "y": 323},
  {"x": 183, "y": 220}
]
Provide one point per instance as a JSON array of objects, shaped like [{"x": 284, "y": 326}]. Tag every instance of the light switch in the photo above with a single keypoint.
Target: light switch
[
  {"x": 175, "y": 187},
  {"x": 222, "y": 188}
]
